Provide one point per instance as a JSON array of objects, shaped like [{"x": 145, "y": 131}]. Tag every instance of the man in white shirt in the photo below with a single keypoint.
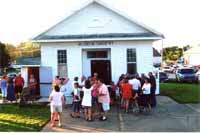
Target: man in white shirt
[
  {"x": 135, "y": 83},
  {"x": 136, "y": 86},
  {"x": 67, "y": 90}
]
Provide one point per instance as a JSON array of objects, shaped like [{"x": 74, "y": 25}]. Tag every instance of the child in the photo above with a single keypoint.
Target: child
[
  {"x": 87, "y": 100},
  {"x": 56, "y": 101},
  {"x": 76, "y": 102}
]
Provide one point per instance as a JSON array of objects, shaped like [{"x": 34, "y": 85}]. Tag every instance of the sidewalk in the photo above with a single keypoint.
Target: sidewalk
[
  {"x": 167, "y": 116},
  {"x": 80, "y": 125}
]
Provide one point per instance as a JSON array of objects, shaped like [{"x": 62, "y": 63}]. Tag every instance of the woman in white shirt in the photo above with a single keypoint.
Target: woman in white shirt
[
  {"x": 87, "y": 100},
  {"x": 146, "y": 89}
]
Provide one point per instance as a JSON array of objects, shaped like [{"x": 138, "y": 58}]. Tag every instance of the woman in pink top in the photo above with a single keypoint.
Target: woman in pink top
[{"x": 103, "y": 99}]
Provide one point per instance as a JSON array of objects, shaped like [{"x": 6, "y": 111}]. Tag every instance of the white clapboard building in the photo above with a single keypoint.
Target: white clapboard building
[{"x": 96, "y": 38}]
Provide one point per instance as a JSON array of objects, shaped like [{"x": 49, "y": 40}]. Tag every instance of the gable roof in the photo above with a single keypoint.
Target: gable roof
[
  {"x": 156, "y": 53},
  {"x": 151, "y": 35}
]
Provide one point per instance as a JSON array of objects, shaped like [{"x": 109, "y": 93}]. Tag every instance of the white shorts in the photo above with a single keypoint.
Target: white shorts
[
  {"x": 55, "y": 108},
  {"x": 106, "y": 106}
]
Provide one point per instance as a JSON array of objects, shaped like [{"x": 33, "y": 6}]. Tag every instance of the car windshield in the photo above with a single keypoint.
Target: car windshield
[{"x": 186, "y": 71}]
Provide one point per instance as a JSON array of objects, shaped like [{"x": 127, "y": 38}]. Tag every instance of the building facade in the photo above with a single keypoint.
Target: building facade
[{"x": 97, "y": 38}]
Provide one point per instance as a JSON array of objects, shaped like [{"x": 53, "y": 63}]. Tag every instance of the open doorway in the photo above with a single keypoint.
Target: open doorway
[
  {"x": 35, "y": 72},
  {"x": 103, "y": 68}
]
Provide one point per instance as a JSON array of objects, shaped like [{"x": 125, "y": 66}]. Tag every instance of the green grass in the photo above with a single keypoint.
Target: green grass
[
  {"x": 181, "y": 92},
  {"x": 31, "y": 118}
]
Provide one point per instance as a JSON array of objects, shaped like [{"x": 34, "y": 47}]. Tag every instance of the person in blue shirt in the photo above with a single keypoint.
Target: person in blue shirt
[{"x": 3, "y": 86}]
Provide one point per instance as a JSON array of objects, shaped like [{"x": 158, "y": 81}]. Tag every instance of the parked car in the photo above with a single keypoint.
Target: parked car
[
  {"x": 163, "y": 77},
  {"x": 186, "y": 74}
]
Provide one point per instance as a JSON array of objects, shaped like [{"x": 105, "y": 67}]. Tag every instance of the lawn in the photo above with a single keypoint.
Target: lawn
[
  {"x": 31, "y": 118},
  {"x": 181, "y": 92}
]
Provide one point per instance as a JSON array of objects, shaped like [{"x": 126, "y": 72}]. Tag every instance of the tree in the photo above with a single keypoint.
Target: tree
[
  {"x": 172, "y": 53},
  {"x": 24, "y": 49},
  {"x": 11, "y": 50},
  {"x": 4, "y": 57},
  {"x": 185, "y": 48},
  {"x": 27, "y": 49}
]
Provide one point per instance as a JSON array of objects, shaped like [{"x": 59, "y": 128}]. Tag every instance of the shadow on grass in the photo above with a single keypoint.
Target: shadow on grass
[
  {"x": 8, "y": 125},
  {"x": 15, "y": 118}
]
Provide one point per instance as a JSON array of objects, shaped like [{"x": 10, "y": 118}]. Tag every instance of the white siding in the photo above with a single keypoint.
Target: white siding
[
  {"x": 74, "y": 57},
  {"x": 74, "y": 61},
  {"x": 77, "y": 66},
  {"x": 24, "y": 74},
  {"x": 95, "y": 19},
  {"x": 49, "y": 58},
  {"x": 145, "y": 58},
  {"x": 144, "y": 55},
  {"x": 118, "y": 61}
]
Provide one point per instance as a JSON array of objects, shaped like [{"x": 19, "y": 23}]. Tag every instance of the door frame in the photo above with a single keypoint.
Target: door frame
[
  {"x": 110, "y": 72},
  {"x": 86, "y": 62},
  {"x": 29, "y": 72}
]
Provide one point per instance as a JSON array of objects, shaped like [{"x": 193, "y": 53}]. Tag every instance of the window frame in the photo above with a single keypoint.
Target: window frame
[
  {"x": 131, "y": 62},
  {"x": 63, "y": 62},
  {"x": 63, "y": 59}
]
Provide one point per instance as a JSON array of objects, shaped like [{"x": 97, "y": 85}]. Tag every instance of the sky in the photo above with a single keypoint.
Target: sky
[{"x": 178, "y": 20}]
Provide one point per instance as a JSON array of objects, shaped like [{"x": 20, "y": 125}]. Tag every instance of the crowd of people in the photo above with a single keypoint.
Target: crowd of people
[
  {"x": 12, "y": 87},
  {"x": 89, "y": 95},
  {"x": 92, "y": 97}
]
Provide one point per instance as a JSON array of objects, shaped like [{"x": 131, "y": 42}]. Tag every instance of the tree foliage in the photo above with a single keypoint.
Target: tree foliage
[
  {"x": 24, "y": 49},
  {"x": 174, "y": 53},
  {"x": 4, "y": 57}
]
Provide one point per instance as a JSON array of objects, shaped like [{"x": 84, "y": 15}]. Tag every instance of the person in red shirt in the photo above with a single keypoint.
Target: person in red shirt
[
  {"x": 19, "y": 84},
  {"x": 126, "y": 93}
]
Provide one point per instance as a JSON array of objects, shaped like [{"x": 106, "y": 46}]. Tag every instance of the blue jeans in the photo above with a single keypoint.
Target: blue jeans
[{"x": 4, "y": 91}]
